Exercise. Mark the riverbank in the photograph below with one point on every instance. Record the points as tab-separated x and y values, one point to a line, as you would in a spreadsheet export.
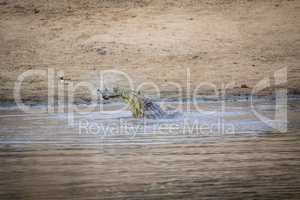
218	42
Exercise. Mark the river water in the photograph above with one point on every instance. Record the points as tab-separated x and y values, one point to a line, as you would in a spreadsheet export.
204	153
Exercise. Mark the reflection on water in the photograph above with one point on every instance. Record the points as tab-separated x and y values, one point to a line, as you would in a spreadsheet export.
115	156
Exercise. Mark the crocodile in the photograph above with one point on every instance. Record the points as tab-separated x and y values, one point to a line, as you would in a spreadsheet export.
139	105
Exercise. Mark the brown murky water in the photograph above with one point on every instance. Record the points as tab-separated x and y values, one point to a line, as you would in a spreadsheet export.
43	158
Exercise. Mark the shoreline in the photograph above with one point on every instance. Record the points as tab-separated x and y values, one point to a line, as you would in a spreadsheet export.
230	98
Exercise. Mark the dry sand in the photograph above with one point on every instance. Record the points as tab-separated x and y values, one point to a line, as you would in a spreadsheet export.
154	41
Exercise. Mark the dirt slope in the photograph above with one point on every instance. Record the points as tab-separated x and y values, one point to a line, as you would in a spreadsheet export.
153	41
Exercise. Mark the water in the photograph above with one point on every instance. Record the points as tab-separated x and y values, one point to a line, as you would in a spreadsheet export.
42	157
